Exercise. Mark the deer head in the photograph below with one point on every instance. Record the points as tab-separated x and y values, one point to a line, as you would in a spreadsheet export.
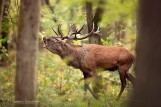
62	43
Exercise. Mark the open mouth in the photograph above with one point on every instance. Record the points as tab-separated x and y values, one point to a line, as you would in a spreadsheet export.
44	40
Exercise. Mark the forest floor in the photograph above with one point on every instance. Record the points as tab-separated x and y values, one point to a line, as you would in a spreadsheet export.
59	85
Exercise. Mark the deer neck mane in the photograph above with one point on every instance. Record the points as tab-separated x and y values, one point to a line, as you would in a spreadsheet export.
68	51
72	55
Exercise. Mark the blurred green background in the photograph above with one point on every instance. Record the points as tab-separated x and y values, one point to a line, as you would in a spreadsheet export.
59	85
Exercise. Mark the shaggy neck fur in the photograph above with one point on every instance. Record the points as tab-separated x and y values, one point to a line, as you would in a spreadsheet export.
73	54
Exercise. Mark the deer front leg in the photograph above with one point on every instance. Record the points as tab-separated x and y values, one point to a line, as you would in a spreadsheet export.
86	85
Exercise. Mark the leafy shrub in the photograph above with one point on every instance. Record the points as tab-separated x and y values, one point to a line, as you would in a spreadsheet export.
59	85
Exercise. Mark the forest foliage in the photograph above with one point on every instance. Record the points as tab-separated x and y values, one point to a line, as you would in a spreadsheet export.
59	85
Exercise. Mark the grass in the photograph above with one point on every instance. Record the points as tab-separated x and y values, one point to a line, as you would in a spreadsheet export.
59	85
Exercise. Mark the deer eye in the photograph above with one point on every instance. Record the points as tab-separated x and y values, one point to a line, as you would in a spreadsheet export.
49	39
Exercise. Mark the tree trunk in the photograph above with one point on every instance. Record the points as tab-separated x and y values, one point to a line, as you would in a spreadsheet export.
1	12
89	17
47	2
98	17
119	27
95	39
147	91
99	13
25	80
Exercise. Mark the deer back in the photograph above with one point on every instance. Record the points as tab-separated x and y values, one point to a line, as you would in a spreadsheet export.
107	57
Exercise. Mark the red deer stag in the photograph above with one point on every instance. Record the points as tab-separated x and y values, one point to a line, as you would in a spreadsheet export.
89	57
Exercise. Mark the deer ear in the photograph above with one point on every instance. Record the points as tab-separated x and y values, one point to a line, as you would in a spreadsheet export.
65	42
57	40
62	42
69	41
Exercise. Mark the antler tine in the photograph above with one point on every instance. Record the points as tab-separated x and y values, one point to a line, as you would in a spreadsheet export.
97	32
98	29
55	32
79	31
72	30
59	30
88	35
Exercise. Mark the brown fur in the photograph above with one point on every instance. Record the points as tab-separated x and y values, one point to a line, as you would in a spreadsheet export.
89	57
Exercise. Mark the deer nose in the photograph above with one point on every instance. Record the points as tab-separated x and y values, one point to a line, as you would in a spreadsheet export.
45	39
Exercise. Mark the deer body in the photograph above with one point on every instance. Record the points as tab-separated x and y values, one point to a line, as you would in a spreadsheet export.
88	58
94	56
107	57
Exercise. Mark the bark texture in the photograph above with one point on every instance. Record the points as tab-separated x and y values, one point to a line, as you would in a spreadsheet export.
1	11
148	51
95	39
25	80
89	17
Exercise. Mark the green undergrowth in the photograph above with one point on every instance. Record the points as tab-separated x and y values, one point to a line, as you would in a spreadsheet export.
59	85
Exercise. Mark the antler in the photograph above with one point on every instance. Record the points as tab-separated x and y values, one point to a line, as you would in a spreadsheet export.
79	31
73	30
88	35
59	34
55	32
59	30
